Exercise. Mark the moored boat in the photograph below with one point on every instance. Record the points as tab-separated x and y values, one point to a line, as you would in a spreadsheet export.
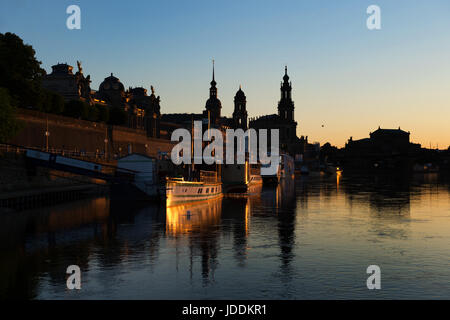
238	178
271	179
287	166
179	191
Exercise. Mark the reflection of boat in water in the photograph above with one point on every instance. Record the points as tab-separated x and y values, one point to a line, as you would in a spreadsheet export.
280	196
271	179
287	166
179	191
426	168
186	218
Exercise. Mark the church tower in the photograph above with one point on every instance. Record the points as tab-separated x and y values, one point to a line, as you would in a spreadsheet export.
286	105
213	104
240	110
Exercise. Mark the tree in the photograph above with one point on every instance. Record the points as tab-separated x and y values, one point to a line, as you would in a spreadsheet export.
57	103
50	102
93	113
103	113
8	123
77	109
20	71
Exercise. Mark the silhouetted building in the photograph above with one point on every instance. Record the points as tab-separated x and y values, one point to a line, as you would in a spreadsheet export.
144	112
240	110
284	121
213	105
112	91
70	86
385	149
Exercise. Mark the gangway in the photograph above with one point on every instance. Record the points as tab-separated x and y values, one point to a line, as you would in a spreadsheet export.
109	173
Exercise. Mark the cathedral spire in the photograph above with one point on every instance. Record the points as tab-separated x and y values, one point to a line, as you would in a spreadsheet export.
213	104
286	105
286	77
213	82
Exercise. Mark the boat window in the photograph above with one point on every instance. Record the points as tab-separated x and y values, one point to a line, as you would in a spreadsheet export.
199	190
207	190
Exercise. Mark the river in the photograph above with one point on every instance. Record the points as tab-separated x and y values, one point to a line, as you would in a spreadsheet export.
308	238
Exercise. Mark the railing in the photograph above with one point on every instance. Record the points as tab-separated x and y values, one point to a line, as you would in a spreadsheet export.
208	176
107	168
78	154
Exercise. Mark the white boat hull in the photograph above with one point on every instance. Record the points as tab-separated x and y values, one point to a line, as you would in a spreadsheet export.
182	192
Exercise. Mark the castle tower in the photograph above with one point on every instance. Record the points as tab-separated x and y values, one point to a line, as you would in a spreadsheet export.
286	105
213	104
240	110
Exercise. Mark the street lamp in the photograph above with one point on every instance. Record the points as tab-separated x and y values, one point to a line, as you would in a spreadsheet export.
47	134
106	147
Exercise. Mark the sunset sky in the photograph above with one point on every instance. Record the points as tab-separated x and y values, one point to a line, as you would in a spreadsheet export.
347	80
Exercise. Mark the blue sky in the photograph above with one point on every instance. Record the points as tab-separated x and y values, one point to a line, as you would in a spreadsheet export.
345	77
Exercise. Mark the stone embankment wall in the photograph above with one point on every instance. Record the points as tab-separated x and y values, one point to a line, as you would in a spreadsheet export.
84	136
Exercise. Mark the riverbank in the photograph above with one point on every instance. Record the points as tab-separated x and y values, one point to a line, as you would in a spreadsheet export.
23	186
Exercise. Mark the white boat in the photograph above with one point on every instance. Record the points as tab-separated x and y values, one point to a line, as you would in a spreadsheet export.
179	191
238	178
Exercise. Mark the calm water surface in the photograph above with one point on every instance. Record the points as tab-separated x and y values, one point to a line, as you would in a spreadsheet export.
310	238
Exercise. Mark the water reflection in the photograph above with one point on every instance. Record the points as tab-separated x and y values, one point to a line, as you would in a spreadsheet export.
193	218
280	242
200	221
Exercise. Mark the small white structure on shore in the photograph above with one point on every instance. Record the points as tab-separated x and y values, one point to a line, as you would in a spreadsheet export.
145	178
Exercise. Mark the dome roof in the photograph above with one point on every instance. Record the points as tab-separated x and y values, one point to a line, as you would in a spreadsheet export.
240	94
111	83
286	77
213	103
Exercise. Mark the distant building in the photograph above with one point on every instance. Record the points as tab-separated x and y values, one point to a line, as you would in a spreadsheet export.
70	86
385	149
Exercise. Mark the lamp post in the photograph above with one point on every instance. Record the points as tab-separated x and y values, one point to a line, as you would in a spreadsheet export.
47	134
106	148
106	142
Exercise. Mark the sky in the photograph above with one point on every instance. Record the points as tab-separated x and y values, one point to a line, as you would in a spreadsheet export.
347	80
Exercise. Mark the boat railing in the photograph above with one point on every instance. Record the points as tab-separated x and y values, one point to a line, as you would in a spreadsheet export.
208	176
